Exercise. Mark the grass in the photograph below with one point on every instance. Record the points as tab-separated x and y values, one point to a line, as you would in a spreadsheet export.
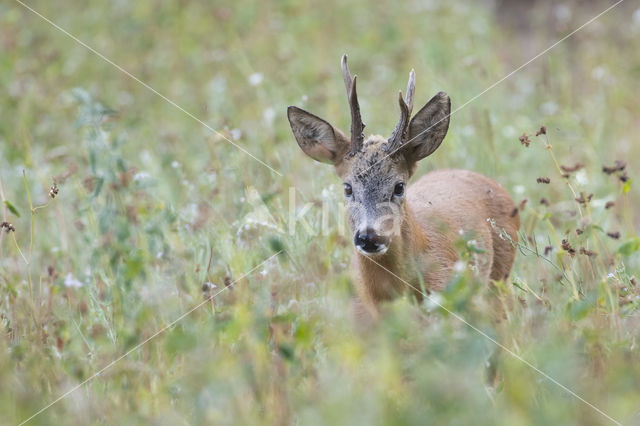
155	214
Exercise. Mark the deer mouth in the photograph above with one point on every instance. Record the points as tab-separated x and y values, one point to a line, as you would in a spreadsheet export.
377	251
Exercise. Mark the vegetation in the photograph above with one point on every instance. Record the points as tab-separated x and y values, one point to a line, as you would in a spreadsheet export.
123	213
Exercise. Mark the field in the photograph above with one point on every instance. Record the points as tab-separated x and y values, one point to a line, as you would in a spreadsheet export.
164	230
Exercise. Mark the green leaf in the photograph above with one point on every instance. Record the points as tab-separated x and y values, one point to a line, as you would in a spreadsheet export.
179	341
629	247
287	351
12	208
276	244
579	309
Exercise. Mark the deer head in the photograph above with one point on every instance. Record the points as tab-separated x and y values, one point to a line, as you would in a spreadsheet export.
374	171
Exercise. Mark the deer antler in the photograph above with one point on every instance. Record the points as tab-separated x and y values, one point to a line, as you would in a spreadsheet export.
399	135
357	126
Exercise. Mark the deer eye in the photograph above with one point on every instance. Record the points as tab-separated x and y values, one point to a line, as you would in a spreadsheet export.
347	190
398	190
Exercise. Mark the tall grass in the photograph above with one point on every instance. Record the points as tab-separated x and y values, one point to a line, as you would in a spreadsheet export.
154	214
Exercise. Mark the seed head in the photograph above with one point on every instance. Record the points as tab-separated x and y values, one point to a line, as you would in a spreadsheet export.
53	191
524	140
571	169
567	247
582	199
586	252
7	227
618	166
542	131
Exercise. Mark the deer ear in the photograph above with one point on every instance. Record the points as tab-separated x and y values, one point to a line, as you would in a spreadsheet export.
317	138
428	128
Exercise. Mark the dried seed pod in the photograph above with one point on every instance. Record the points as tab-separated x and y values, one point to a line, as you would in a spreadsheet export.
523	203
567	247
542	131
584	200
586	252
543	180
571	169
618	166
609	204
547	250
615	235
7	227
524	140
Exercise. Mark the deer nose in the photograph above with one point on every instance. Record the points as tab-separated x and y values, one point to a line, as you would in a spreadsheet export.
369	242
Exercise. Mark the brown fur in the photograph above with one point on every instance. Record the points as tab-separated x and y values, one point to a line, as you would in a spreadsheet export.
438	205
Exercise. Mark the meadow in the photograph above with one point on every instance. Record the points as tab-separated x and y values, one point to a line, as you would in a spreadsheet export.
163	229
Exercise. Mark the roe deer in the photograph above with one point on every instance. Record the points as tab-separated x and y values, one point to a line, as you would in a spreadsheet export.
408	232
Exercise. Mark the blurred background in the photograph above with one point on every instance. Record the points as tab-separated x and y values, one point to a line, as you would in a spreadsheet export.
153	213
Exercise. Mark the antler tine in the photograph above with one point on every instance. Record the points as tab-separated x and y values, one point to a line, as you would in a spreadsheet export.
399	134
411	88
357	126
346	75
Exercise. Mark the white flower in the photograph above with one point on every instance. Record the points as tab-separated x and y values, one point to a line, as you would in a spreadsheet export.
236	134
563	13
141	176
636	17
71	281
519	189
549	108
268	115
256	78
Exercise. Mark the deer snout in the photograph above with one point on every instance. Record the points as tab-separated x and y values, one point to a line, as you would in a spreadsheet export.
369	242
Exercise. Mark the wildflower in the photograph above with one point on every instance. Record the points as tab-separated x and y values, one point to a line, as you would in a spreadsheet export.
256	78
71	281
524	140
543	180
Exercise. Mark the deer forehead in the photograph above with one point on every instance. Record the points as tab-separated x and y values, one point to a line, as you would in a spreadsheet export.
373	166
